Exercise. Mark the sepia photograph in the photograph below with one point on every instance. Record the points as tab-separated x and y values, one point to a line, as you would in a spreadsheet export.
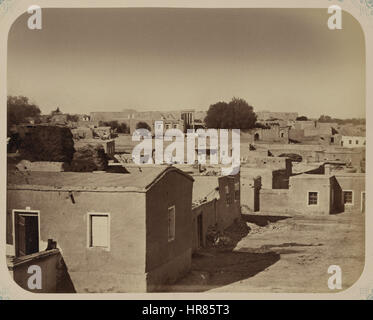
185	150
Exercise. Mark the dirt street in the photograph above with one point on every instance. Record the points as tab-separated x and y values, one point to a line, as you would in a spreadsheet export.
280	254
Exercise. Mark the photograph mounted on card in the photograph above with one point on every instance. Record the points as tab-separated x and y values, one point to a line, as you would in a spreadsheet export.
170	149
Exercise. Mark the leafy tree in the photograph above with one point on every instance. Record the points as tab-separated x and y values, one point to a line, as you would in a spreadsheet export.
73	117
143	125
215	115
48	143
89	158
237	114
115	125
324	118
123	128
302	118
20	110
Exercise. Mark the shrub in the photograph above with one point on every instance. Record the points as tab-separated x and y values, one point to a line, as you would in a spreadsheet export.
89	158
293	156
143	125
48	143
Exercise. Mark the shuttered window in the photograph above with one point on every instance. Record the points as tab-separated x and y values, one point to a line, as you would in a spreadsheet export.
99	230
312	198
26	228
348	197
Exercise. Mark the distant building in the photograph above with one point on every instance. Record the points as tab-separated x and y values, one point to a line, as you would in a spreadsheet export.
317	192
315	152
59	118
108	145
269	115
353	141
82	133
103	132
167	124
273	134
314	132
84	117
181	120
188	117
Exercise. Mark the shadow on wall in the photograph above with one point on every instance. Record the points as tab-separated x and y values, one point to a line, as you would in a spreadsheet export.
217	269
262	220
337	205
219	265
64	283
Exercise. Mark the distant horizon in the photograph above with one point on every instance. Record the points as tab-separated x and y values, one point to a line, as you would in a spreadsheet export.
280	60
195	109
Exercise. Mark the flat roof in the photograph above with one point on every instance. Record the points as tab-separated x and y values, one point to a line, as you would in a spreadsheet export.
255	171
205	186
92	141
350	174
311	176
137	181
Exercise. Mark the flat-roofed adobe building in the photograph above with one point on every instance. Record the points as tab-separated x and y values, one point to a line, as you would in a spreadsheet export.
352	186
327	194
216	204
353	141
314	194
116	232
312	189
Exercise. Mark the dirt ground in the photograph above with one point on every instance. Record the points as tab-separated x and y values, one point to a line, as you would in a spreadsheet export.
279	254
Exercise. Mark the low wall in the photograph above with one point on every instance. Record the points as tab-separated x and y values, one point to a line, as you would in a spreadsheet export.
168	273
208	212
108	282
49	166
48	261
274	201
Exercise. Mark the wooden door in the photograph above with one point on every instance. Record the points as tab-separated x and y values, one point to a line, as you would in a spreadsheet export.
26	234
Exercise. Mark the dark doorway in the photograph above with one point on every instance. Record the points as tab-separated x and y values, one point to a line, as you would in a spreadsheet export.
26	233
256	137
200	231
256	200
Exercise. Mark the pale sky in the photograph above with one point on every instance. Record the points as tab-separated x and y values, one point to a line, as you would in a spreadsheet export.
87	60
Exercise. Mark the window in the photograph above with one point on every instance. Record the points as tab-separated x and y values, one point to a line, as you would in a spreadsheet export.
357	141
332	139
98	230
350	141
171	223
312	198
227	196
26	232
348	197
237	191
